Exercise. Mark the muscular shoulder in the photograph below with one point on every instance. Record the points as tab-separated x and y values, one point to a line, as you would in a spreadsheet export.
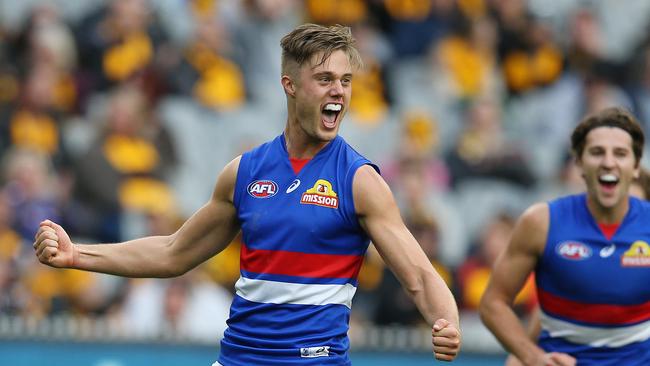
225	187
536	216
532	228
370	190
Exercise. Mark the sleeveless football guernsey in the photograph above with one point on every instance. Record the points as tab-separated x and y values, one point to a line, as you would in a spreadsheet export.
301	252
594	292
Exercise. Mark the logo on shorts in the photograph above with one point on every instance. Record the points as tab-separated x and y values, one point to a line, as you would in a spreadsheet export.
321	195
263	188
637	256
573	250
320	351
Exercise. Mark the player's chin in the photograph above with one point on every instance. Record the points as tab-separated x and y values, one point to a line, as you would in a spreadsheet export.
328	134
609	200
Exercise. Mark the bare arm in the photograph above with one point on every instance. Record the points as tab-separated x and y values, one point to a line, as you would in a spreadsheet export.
204	234
533	330
509	274
380	218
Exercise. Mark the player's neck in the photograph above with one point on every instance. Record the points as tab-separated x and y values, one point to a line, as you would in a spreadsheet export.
300	145
608	215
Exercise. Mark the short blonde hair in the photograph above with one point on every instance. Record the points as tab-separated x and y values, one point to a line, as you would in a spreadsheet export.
309	39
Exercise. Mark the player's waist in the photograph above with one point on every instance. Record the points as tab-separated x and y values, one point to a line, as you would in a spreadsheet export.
283	330
235	353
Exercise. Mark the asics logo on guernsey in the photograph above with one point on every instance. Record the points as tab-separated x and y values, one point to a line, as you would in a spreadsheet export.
607	251
293	186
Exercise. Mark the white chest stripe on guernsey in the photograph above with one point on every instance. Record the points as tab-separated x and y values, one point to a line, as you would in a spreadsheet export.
595	336
294	293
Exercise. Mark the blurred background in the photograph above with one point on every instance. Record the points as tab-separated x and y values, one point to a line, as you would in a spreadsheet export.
117	116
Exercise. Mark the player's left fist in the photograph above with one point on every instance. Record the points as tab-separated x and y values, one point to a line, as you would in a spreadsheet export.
446	340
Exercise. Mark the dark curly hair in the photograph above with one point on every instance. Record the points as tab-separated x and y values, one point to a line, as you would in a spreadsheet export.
609	117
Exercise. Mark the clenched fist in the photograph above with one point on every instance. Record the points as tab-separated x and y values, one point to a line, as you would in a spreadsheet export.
446	340
53	246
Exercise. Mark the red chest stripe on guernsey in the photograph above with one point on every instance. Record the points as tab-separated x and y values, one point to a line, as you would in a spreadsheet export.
604	314
281	262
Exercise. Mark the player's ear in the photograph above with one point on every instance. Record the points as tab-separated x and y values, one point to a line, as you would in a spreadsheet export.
289	85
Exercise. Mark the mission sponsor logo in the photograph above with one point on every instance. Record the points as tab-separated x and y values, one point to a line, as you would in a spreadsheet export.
321	194
573	250
637	256
263	188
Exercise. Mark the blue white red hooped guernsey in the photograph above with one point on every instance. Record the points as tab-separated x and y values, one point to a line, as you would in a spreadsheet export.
595	293
301	253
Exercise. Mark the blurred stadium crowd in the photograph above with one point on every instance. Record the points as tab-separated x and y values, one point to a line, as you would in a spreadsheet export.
116	117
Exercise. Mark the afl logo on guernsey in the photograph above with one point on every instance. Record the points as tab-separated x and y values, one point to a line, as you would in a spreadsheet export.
263	188
573	250
321	194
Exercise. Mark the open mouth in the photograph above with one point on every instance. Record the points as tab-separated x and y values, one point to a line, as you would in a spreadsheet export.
608	181
331	113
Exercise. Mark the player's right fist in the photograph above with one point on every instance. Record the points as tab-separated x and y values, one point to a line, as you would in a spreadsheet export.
445	339
53	246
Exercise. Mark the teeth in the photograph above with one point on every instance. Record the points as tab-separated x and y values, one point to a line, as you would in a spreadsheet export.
332	107
609	178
